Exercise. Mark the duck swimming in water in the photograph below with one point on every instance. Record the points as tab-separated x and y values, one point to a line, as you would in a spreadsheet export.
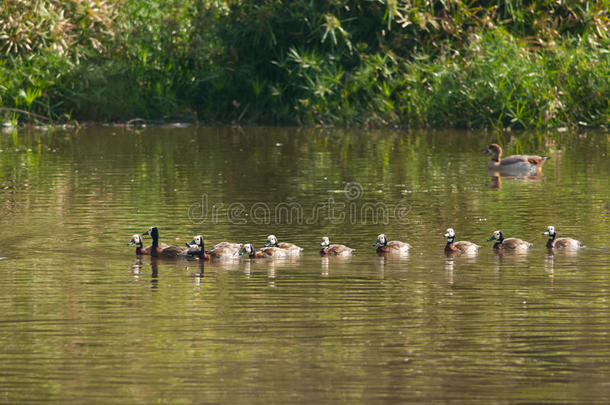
560	243
334	250
163	250
222	250
463	247
393	246
290	248
515	165
508	244
265	252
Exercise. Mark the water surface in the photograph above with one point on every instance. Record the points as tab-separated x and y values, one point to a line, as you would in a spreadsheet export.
84	320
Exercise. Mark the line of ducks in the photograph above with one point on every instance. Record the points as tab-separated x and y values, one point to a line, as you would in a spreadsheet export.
273	248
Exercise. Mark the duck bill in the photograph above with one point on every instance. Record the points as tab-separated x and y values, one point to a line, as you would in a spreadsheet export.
492	238
377	243
267	244
486	152
145	233
241	252
446	235
545	233
131	242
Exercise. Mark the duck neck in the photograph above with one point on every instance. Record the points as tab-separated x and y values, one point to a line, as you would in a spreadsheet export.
551	242
202	251
155	244
138	249
449	246
496	154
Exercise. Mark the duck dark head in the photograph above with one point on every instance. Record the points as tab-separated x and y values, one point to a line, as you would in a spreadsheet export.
153	232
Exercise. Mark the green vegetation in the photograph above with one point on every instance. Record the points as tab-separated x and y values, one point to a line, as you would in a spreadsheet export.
418	63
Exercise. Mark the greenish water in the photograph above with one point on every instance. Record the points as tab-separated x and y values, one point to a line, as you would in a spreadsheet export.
83	320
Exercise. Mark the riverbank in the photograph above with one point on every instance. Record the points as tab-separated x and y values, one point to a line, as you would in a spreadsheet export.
340	64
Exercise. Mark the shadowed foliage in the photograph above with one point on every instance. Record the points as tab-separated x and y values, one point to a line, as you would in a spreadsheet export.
517	64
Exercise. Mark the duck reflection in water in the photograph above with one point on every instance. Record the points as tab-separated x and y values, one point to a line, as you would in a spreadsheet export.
154	275
496	179
136	268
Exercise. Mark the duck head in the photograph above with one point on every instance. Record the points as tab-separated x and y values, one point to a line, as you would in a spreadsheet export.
494	150
449	234
247	248
137	240
381	240
550	230
271	241
325	242
196	242
497	235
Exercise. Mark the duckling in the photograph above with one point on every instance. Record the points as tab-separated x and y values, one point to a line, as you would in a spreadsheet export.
560	243
226	250
222	250
515	165
197	248
265	252
137	240
290	248
394	246
163	250
464	247
508	244
334	250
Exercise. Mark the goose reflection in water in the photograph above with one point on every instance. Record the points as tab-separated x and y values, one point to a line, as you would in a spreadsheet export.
496	179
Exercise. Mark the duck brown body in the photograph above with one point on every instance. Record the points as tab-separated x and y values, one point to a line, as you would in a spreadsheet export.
394	246
289	248
560	243
266	252
334	250
513	244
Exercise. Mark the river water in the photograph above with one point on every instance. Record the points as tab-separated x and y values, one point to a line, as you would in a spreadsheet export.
83	320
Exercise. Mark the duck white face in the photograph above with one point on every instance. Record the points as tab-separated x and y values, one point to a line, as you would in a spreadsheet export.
325	242
248	248
497	235
449	233
198	240
381	240
136	239
271	241
550	230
